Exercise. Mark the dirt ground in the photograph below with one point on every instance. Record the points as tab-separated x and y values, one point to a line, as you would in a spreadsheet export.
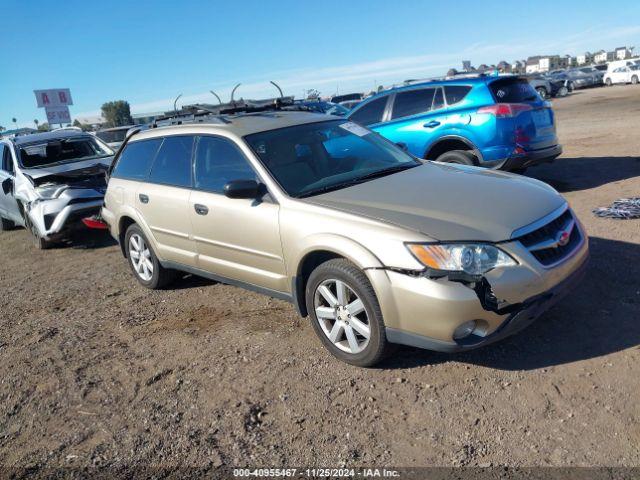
97	371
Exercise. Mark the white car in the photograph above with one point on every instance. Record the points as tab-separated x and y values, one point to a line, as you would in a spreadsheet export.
623	74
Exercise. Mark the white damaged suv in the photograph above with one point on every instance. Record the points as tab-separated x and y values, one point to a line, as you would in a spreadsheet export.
50	181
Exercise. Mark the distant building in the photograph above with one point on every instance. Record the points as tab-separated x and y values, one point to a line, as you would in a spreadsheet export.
504	67
603	56
466	66
533	64
483	68
584	58
551	62
622	53
519	66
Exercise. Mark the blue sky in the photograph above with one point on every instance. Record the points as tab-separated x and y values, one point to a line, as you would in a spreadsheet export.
149	52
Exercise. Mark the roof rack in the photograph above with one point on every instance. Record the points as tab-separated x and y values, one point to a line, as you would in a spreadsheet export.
208	113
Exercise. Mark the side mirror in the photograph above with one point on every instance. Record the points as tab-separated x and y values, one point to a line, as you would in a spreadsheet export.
242	189
403	146
7	186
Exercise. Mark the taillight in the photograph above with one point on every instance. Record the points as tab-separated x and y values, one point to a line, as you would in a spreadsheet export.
505	110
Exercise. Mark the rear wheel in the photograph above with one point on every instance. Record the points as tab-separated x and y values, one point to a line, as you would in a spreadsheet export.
143	261
460	157
345	313
542	92
608	82
634	80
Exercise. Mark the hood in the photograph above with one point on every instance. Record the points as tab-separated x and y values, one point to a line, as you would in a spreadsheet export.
69	168
449	203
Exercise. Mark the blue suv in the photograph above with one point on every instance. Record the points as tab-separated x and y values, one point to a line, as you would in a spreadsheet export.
490	121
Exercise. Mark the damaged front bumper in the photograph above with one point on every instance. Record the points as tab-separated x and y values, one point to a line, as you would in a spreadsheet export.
54	217
425	312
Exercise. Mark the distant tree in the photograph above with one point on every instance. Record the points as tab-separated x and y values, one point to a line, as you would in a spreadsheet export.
35	121
15	122
84	126
117	113
43	127
2	129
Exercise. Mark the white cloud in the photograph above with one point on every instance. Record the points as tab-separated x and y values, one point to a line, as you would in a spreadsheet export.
365	76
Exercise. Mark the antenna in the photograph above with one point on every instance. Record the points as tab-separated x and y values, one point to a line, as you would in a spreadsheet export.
234	91
175	102
279	89
216	95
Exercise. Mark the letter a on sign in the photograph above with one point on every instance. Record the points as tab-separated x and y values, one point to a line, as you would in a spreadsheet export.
45	99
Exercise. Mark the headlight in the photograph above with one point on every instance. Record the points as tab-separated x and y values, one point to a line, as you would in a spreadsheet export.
472	258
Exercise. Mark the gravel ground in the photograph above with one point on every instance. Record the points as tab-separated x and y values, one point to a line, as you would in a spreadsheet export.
97	371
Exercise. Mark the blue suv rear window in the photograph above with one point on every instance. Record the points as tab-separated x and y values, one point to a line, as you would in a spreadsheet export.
512	90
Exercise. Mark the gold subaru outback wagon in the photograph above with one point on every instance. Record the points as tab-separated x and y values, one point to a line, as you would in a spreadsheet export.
374	245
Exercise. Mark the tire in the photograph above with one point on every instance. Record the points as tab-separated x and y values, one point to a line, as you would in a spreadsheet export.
608	82
542	92
460	157
6	224
337	329
634	80
149	272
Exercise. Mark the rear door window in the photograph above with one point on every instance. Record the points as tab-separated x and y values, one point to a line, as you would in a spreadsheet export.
412	102
370	113
513	90
456	93
136	159
172	165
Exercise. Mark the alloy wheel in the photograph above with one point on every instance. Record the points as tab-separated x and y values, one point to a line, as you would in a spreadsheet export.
342	316
140	256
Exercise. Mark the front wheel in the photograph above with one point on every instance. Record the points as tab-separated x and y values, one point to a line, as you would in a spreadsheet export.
542	92
143	261
345	313
608	82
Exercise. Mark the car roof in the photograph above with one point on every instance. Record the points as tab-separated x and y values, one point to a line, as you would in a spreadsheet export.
46	136
241	124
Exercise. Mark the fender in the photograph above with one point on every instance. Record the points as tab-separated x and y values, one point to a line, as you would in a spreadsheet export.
128	211
459	138
326	242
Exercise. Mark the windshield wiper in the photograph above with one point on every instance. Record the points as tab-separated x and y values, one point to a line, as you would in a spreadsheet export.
357	180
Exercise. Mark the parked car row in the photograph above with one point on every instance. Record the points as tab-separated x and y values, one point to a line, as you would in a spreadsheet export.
354	226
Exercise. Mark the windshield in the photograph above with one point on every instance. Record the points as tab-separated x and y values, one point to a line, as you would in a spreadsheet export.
318	157
62	150
112	136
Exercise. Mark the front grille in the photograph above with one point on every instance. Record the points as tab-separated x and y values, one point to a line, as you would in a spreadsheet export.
544	243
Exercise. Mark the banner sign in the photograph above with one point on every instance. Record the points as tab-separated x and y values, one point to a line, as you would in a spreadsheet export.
55	97
58	115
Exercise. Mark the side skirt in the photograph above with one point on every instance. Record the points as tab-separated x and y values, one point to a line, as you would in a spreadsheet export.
229	281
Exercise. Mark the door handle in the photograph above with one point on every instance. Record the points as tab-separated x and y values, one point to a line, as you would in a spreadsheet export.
431	124
200	209
143	198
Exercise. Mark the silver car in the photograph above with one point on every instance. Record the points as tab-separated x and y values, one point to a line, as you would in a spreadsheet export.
50	181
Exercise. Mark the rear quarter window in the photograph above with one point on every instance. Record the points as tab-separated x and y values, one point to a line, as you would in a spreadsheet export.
512	90
456	93
135	161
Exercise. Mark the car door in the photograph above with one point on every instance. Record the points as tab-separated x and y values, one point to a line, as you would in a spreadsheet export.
619	75
235	238
163	200
8	204
417	117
